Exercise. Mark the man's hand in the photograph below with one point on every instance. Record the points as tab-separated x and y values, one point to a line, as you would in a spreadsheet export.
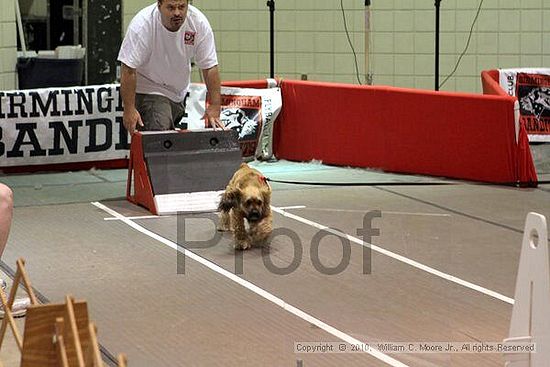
212	117
131	118
213	85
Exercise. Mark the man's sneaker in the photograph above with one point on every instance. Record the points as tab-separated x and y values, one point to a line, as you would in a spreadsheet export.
3	284
19	307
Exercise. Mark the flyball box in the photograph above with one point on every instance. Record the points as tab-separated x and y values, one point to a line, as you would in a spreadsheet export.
181	171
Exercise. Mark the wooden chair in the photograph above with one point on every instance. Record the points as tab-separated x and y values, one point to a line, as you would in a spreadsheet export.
7	303
55	335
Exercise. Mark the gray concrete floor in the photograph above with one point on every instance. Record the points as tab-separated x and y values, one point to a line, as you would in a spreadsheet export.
145	306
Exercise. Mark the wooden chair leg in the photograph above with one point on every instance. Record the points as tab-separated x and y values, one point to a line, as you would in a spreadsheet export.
23	274
9	320
62	358
122	360
73	331
7	303
96	354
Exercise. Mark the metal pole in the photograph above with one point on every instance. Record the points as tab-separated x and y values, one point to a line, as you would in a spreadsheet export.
271	5
85	38
20	28
48	27
76	22
437	8
368	75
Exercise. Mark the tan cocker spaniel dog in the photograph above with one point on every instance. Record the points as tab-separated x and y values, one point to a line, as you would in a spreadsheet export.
245	208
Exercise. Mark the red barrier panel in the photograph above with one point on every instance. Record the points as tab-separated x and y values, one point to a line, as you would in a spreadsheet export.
260	84
455	135
490	83
526	171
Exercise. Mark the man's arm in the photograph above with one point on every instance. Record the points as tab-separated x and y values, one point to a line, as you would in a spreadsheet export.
131	116
213	85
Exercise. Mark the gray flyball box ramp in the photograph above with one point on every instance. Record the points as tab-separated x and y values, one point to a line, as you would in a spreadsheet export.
175	171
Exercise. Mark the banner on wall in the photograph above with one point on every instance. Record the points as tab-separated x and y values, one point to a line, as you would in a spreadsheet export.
249	111
532	88
84	124
61	125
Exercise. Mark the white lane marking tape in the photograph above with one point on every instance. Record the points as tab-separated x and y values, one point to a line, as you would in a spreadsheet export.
292	207
254	288
417	214
401	258
138	218
361	211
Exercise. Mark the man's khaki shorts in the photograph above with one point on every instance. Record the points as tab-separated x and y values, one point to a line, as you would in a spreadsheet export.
158	112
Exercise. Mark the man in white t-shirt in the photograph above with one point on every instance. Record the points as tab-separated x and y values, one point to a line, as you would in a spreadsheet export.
156	55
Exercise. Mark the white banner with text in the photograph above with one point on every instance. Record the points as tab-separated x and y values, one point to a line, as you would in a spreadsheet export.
531	86
84	124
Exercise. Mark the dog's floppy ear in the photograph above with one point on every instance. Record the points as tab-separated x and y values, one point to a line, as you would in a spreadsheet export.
266	198
230	199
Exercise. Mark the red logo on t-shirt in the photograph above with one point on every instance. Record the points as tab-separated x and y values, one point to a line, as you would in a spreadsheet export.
189	38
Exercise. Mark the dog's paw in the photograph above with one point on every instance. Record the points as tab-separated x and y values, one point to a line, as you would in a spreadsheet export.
242	245
223	228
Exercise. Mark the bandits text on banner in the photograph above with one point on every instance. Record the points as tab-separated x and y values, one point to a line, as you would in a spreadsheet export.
61	125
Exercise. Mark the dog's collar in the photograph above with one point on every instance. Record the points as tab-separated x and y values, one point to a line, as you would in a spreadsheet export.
263	180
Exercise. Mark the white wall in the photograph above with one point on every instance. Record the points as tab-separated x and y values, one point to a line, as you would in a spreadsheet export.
310	39
8	42
508	33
